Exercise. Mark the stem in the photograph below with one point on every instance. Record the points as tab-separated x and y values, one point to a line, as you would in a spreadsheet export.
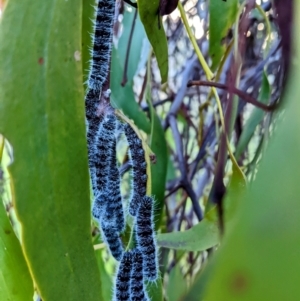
246	97
209	74
234	162
124	80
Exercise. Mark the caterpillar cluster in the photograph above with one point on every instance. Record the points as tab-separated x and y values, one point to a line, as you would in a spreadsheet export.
108	209
140	263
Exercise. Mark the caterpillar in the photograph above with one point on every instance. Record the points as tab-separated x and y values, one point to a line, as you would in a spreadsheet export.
139	168
107	207
122	288
101	153
91	102
99	205
99	170
114	209
137	288
145	238
102	44
110	235
99	69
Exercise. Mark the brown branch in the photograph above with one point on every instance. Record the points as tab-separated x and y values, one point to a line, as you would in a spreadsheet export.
218	188
186	184
246	97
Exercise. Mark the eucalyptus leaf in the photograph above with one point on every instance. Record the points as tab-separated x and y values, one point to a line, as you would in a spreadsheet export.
255	118
135	48
148	11
177	285
259	258
222	15
123	97
200	237
42	116
15	280
88	15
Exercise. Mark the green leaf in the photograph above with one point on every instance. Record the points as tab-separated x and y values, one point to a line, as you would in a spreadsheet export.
123	97
148	11
222	16
255	118
136	43
158	177
42	116
107	285
234	195
155	290
88	15
200	237
259	259
197	289
158	170
15	281
177	285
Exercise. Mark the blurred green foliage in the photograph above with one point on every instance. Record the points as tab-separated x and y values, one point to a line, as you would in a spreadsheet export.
44	61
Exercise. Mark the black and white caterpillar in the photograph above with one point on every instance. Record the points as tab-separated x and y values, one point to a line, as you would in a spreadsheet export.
122	287
107	207
139	168
101	44
137	287
110	235
102	39
93	121
100	156
114	212
145	238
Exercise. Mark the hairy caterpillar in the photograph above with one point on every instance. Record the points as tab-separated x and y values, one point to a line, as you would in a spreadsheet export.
122	290
145	238
102	44
114	209
107	207
101	154
99	70
137	288
111	236
139	168
99	66
99	205
91	102
99	169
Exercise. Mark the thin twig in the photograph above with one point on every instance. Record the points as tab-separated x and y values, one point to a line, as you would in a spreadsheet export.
182	167
246	97
124	80
182	91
